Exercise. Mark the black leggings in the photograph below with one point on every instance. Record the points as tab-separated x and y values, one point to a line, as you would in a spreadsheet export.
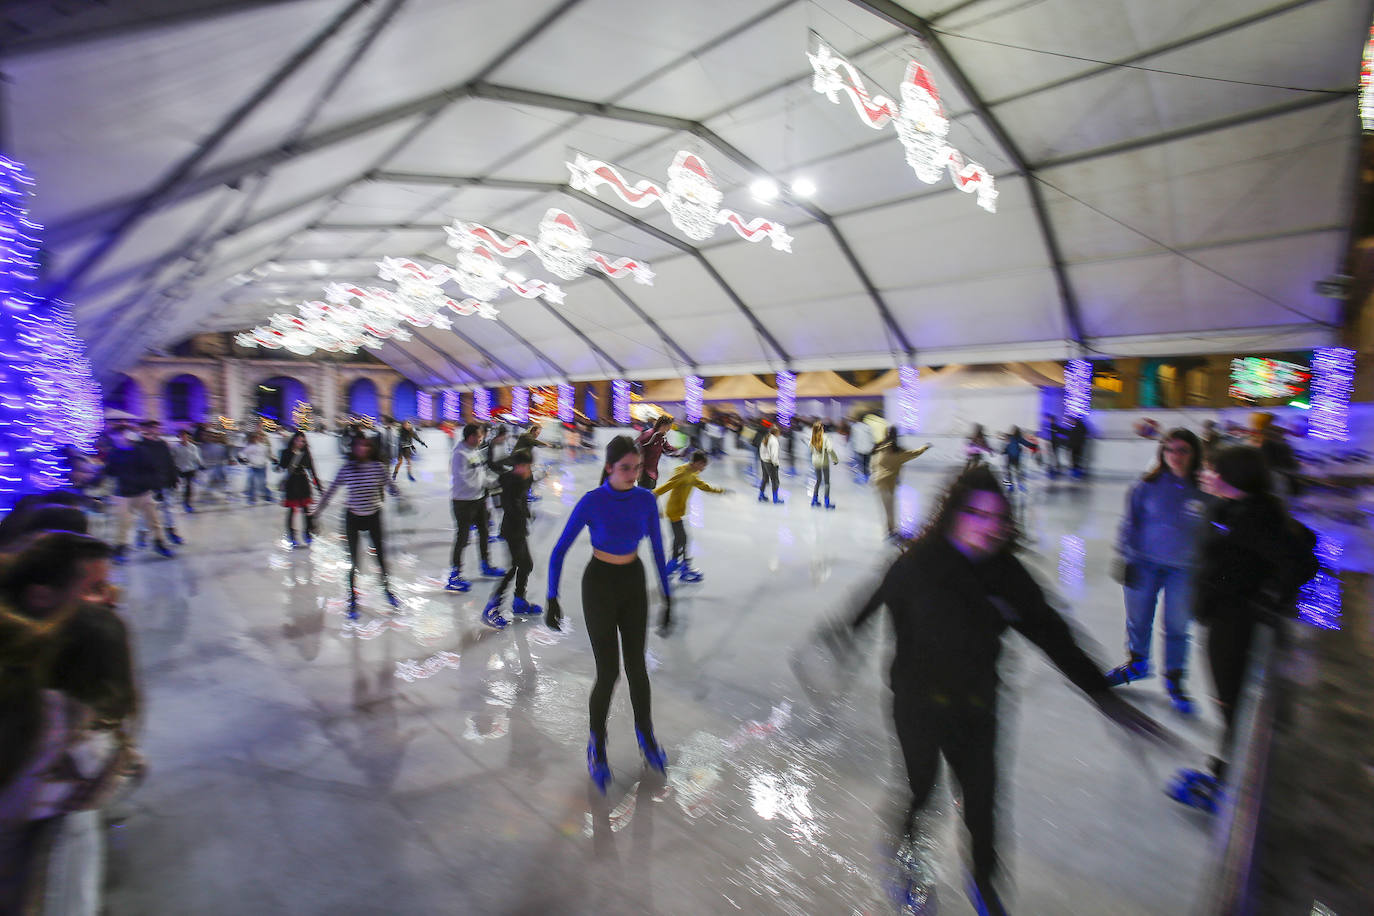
822	477
1228	653
290	526
616	609
372	524
188	479
967	738
520	564
466	513
769	476
679	541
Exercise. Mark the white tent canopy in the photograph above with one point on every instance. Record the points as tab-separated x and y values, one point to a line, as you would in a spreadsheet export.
1173	176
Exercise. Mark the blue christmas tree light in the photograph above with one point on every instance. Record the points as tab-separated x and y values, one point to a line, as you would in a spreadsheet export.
695	392
910	417
620	401
787	398
520	405
48	395
481	404
1078	388
565	402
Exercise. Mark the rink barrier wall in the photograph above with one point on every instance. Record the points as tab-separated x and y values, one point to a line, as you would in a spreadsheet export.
1229	887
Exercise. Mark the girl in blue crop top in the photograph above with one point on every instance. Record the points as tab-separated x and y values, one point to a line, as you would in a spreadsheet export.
615	605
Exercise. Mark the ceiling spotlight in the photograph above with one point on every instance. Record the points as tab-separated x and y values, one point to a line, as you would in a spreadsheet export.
764	189
803	187
319	268
515	277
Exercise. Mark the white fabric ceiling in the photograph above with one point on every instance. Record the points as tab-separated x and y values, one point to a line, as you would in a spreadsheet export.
1191	162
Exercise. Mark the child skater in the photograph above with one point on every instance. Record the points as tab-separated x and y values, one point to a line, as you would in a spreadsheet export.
366	477
680	486
515	525
299	467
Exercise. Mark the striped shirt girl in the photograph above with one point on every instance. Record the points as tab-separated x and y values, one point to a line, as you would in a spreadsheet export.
365	481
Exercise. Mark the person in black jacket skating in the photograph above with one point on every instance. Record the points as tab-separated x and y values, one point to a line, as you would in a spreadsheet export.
515	477
952	595
299	470
1253	560
136	475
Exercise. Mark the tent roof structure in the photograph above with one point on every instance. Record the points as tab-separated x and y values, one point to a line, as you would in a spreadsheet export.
1172	177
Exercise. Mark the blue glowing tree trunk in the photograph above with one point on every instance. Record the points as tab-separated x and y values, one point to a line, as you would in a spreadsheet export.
48	397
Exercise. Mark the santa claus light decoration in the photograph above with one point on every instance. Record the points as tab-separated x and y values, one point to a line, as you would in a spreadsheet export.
563	247
691	198
920	121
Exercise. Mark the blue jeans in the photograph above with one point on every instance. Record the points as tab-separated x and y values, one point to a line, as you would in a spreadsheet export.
1177	585
257	481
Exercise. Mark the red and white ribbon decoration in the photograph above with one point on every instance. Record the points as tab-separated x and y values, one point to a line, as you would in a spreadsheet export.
691	198
920	120
563	247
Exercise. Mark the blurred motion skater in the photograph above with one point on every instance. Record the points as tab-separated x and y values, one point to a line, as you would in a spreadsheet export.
615	606
1254	559
515	528
952	595
366	478
887	472
822	457
1157	546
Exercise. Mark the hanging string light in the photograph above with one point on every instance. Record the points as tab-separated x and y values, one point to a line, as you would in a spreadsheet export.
424	405
620	401
481	404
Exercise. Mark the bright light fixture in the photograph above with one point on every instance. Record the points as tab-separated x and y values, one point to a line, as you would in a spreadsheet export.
803	187
764	189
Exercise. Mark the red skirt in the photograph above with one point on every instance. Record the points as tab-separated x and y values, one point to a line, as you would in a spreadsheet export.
297	503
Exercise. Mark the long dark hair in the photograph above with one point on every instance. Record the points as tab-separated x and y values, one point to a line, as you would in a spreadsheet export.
1194	464
1244	467
978	478
617	448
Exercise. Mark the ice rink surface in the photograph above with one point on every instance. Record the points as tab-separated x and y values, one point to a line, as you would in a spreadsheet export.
417	761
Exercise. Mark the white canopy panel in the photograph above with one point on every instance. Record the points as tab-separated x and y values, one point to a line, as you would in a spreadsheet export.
1172	176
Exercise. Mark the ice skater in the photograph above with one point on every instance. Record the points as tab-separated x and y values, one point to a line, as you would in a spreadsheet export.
768	464
406	441
653	445
1253	559
679	486
256	456
1157	547
298	470
615	606
514	481
366	479
468	493
186	457
952	595
888	459
822	457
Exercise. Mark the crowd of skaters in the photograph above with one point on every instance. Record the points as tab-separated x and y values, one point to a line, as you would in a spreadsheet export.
1205	529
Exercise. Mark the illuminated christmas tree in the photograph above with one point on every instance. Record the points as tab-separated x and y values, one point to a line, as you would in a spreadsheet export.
48	396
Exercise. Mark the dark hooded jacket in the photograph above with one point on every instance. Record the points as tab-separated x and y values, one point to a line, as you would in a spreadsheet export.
950	612
1254	559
